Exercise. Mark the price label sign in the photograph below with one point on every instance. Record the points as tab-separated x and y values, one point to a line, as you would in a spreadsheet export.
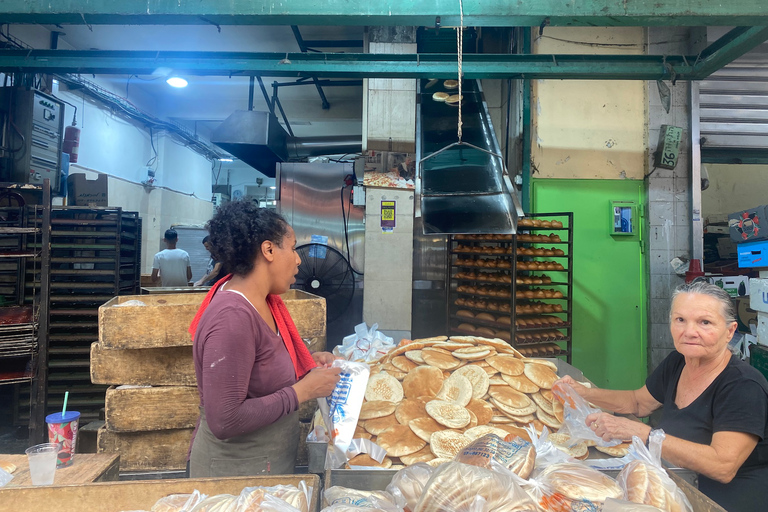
388	215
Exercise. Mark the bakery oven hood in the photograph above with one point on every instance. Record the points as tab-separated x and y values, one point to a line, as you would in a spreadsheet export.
464	188
258	139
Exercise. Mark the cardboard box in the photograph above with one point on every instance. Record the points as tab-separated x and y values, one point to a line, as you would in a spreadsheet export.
753	254
726	248
749	225
84	192
746	315
758	290
736	286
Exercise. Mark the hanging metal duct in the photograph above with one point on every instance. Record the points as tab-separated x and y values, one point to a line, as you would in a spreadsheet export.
464	187
257	139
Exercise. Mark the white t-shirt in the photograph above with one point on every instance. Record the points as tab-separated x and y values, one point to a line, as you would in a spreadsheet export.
173	264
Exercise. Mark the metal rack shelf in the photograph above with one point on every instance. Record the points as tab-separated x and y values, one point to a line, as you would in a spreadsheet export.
563	282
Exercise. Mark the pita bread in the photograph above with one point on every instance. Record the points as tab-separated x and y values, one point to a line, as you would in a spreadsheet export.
423	381
477	377
513	431
513	412
546	405
423	455
403	364
438	461
558	410
481	430
520	383
377	409
579	482
435	339
636	482
540	375
449	414
497	344
400	440
510	397
496	380
472	353
548	419
507	365
425	427
379	425
8	467
563	443
410	346
482	411
472	420
453	345
439	359
500	419
440	96
448	443
383	386
410	409
415	356
451	84
362	435
456	388
365	460
546	362
656	495
619	450
547	394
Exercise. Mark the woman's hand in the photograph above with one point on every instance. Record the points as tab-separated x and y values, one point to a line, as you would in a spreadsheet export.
577	386
324	359
609	427
318	383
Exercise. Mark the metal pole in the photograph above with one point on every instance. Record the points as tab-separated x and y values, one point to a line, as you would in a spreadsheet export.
250	92
697	226
266	96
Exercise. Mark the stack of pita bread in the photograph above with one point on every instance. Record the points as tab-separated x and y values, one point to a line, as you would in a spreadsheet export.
427	399
648	485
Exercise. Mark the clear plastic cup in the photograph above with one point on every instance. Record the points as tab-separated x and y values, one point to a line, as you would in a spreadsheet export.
62	429
42	463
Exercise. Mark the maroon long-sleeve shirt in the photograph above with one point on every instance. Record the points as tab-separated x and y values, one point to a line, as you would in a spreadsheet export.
244	373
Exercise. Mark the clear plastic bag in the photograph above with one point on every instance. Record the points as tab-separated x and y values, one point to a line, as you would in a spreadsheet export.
408	484
575	412
517	455
455	487
612	505
645	480
546	453
341	410
366	346
178	502
346	507
251	498
382	500
5	477
574	486
217	503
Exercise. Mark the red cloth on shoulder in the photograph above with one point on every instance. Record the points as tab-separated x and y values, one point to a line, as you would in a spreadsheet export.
297	349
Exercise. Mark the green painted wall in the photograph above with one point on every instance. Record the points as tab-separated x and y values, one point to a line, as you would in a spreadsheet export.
609	309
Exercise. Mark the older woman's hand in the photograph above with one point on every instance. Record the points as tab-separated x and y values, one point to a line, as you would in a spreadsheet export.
609	427
324	359
577	386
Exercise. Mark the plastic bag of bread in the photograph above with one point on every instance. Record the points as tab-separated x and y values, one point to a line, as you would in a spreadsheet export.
382	500
612	505
546	452
516	455
178	502
346	507
645	480
408	484
217	503
341	410
251	499
573	486
458	487
575	412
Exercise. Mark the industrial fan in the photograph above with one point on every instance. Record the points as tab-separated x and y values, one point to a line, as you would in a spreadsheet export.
324	271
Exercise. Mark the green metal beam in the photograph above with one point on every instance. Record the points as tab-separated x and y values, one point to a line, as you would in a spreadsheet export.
350	65
487	13
728	48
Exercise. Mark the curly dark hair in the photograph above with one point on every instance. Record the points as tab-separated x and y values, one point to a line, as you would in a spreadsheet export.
237	231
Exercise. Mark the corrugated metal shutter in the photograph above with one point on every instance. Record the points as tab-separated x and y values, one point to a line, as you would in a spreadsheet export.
734	104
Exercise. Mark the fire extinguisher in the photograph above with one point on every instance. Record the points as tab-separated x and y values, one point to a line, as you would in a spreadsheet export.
72	140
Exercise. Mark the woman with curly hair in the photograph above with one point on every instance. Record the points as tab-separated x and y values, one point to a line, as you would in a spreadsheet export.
252	367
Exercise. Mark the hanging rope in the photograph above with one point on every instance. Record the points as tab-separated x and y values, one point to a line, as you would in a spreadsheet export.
459	49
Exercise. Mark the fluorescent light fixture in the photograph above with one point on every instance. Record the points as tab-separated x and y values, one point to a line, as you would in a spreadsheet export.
226	160
273	188
176	81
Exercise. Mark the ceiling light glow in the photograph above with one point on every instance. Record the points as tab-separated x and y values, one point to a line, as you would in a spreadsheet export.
176	81
226	160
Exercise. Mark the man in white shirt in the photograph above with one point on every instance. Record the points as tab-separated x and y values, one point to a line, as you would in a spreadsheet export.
172	264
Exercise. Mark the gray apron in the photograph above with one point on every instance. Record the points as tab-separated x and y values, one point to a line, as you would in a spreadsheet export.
269	450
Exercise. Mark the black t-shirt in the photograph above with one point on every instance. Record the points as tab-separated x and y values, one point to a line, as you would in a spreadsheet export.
736	401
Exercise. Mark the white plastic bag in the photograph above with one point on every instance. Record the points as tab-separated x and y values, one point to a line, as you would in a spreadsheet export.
571	486
516	455
5	477
364	345
575	412
382	500
644	479
612	505
341	410
546	453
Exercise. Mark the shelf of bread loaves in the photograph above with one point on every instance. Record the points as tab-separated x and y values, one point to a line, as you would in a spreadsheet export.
552	266
531	238
529	223
484	305
554	252
487	277
483	318
487	250
502	264
485	238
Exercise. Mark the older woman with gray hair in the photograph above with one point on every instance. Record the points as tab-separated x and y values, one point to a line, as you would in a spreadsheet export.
714	406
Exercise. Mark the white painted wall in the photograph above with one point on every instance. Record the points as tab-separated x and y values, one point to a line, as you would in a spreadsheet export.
733	188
